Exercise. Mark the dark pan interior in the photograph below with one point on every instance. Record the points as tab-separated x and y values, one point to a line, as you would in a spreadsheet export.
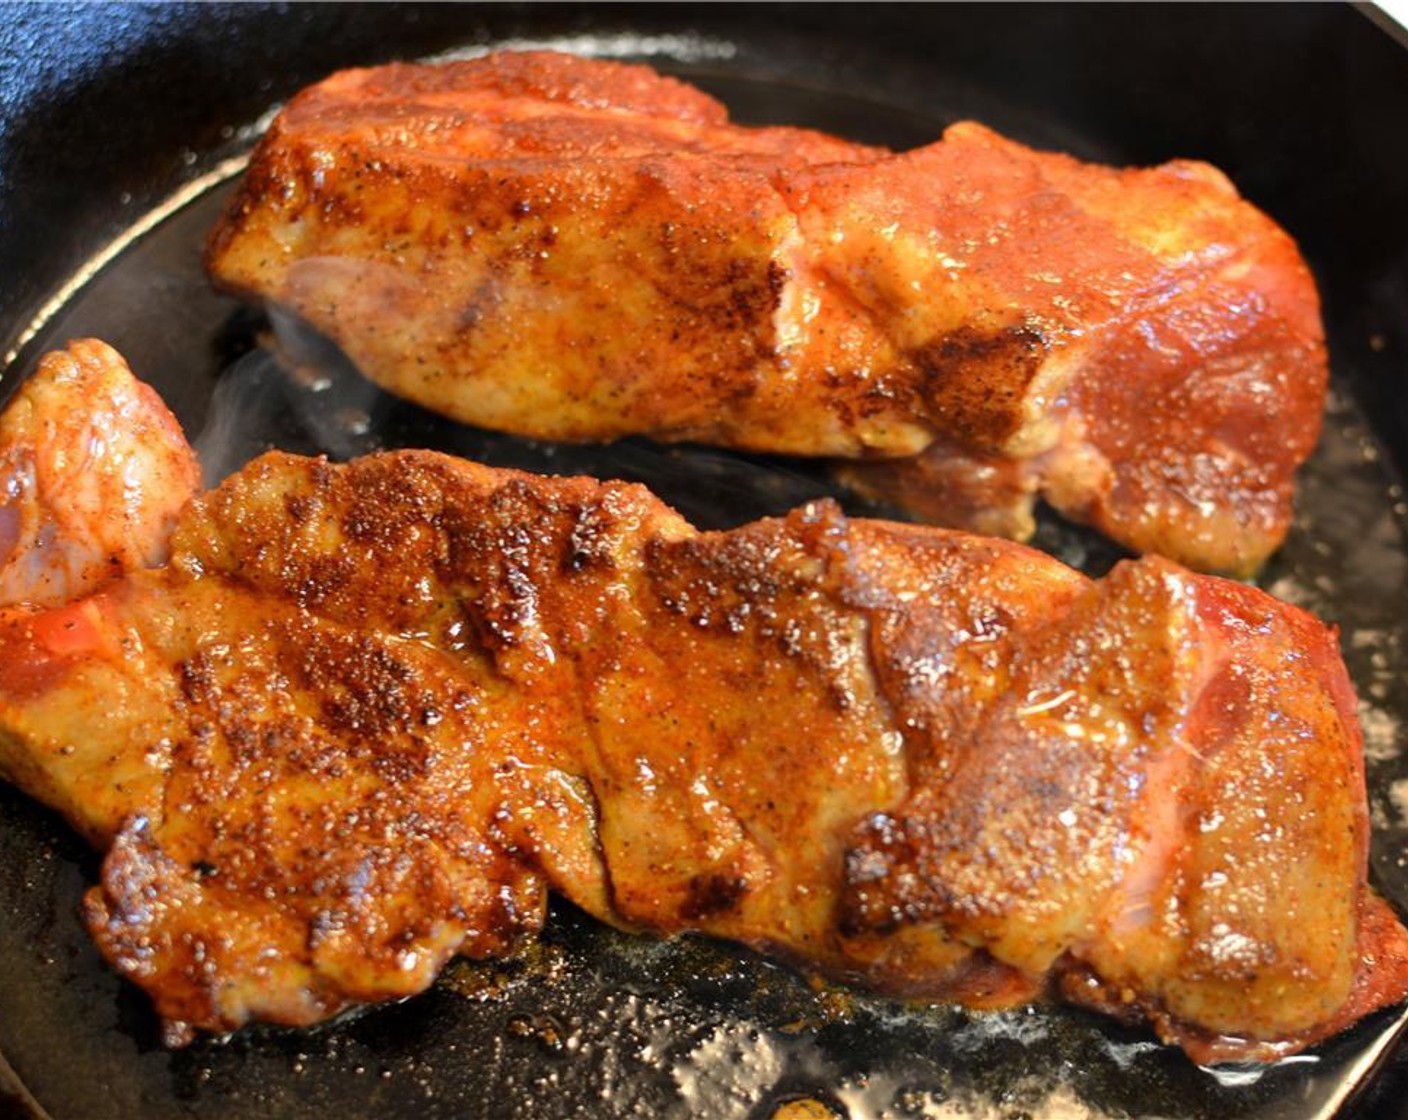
107	112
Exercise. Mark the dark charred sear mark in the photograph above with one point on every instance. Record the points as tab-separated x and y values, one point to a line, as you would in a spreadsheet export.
711	895
974	384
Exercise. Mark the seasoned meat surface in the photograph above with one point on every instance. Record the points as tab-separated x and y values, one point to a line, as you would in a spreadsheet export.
576	249
93	471
368	715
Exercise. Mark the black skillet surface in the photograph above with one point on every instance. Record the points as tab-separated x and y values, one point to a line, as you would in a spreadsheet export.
107	114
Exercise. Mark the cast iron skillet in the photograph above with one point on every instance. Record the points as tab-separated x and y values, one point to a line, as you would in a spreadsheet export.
118	126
